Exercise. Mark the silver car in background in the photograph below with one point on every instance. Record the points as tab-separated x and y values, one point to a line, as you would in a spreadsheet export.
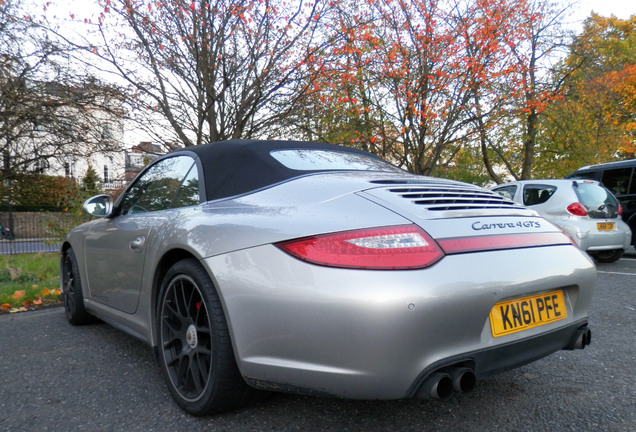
586	211
322	270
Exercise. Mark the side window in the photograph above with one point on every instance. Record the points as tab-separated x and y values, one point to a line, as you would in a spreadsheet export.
507	191
537	194
157	188
188	193
617	180
587	175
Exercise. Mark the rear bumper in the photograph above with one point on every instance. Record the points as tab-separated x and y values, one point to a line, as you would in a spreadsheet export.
590	239
493	360
378	334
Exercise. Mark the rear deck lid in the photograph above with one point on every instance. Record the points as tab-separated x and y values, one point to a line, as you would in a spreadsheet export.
441	199
461	216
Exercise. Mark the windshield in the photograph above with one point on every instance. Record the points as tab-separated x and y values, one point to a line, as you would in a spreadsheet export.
599	202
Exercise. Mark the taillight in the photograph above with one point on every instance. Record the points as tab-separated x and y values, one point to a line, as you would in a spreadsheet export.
620	210
386	248
577	209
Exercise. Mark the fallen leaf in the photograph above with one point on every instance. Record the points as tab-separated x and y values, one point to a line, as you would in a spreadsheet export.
46	292
19	294
14	273
6	306
38	301
57	291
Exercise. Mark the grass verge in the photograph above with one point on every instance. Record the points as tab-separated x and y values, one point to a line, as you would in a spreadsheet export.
29	281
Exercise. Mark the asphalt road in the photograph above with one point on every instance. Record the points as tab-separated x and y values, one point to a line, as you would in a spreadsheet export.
56	377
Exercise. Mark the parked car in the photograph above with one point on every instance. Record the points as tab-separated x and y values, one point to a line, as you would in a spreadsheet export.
620	179
584	209
324	270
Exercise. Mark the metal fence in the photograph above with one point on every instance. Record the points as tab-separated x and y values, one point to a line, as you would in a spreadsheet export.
33	231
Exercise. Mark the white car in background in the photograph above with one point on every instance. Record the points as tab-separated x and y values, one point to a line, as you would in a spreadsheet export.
584	209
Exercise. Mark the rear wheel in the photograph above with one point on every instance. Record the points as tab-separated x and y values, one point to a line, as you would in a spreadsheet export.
195	352
72	294
608	256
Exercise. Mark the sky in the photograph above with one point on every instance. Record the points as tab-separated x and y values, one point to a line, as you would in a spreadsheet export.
583	8
622	9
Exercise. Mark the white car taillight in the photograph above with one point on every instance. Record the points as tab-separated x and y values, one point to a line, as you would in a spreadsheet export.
577	209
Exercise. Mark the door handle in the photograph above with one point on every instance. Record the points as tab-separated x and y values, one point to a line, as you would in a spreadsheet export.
137	245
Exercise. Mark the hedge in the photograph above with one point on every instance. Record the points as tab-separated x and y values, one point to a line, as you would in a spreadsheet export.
38	192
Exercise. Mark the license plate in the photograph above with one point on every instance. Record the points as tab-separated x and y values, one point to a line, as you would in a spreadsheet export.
528	312
605	226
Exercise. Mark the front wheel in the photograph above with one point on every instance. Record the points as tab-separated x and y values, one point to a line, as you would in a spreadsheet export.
72	295
608	256
195	352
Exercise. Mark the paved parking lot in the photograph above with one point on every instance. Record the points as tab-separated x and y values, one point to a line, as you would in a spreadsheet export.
56	377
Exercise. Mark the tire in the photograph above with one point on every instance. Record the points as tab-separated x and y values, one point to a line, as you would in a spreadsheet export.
72	295
608	256
194	348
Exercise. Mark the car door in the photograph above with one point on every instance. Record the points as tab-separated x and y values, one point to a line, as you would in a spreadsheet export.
619	183
116	247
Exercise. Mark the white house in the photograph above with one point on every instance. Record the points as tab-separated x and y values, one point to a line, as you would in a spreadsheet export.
64	138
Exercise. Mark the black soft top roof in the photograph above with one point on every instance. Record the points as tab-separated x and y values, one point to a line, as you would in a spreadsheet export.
239	166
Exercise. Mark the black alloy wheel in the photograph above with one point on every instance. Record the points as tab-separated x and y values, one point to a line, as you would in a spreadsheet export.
195	352
185	337
72	295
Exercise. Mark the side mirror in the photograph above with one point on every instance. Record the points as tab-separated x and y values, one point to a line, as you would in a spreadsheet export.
99	206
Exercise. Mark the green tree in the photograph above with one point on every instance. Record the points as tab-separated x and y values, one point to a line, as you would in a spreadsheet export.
467	167
513	130
90	183
418	82
596	120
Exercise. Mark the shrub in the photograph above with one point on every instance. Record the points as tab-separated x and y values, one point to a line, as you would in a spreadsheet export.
34	192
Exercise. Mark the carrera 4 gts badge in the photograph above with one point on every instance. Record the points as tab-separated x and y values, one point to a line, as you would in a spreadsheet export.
478	226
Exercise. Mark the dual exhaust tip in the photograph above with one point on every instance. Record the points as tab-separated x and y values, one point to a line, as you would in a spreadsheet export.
582	337
442	383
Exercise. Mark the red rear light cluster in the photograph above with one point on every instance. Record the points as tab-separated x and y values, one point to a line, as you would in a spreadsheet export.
405	247
577	209
620	210
386	248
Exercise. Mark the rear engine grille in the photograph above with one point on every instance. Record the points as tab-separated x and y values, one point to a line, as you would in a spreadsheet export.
444	197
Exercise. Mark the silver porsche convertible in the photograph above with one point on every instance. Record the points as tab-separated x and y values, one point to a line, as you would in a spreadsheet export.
323	270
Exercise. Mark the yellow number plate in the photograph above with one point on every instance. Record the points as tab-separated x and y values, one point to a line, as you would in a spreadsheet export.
525	313
605	226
